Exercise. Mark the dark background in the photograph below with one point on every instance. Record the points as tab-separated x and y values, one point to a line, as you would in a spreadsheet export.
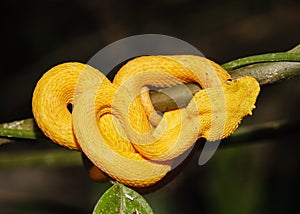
259	177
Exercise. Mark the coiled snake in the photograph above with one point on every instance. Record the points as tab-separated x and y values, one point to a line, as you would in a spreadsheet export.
115	124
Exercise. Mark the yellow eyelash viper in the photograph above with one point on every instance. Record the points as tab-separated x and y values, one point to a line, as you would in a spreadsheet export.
115	124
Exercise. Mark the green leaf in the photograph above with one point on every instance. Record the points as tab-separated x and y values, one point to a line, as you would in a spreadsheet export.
121	199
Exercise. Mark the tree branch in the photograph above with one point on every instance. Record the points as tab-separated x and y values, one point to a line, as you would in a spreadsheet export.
265	73
270	72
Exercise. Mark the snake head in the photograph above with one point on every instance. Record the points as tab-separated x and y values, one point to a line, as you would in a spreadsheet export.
221	109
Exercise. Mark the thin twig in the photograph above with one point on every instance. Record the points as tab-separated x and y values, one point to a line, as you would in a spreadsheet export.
270	57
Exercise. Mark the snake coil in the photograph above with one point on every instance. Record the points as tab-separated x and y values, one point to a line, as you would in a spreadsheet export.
115	124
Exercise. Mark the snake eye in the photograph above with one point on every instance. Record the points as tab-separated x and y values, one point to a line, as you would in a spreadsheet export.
70	107
228	80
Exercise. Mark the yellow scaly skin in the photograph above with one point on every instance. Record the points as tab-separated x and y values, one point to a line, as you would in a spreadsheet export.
110	124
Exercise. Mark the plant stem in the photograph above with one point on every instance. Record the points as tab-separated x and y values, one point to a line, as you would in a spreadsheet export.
270	57
18	133
265	73
26	129
270	72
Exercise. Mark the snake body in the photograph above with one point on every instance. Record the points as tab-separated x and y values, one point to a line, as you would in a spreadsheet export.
116	126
